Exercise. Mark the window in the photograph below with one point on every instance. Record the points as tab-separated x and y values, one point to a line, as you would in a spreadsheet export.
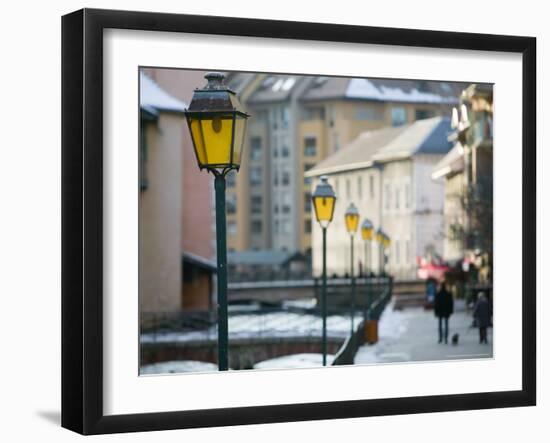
359	187
255	176
285	152
371	186
231	228
275	178
407	196
255	148
421	114
260	116
397	198
276	227
231	179
285	178
307	202
276	209
398	116
310	146
285	227
387	197
256	226
285	202
307	226
285	117
256	204
348	188
367	113
408	251
231	203
313	113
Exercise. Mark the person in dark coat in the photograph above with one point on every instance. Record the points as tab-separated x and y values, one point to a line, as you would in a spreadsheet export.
443	309
482	315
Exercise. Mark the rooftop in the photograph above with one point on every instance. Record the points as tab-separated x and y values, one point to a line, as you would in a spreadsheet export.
154	99
385	90
427	136
452	162
275	88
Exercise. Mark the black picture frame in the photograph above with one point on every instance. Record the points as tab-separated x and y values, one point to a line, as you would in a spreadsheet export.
82	220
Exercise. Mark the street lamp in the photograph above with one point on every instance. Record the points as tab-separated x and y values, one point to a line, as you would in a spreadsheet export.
352	222
324	200
383	242
367	230
217	123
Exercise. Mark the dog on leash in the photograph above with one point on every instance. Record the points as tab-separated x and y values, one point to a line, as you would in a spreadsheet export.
454	339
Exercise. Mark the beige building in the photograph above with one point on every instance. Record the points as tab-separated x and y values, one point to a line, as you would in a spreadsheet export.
386	173
335	110
160	168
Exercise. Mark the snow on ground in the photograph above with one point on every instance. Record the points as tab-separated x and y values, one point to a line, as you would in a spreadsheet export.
176	367
294	361
274	324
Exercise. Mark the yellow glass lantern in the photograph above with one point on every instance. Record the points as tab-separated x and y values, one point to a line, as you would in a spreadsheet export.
324	200
217	123
352	219
367	230
379	235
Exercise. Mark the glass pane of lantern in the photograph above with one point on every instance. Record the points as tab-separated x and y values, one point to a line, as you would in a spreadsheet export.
367	233
324	208
352	221
216	135
240	131
196	133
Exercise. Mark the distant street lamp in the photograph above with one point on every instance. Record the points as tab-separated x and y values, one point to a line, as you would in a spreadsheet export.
352	222
217	123
324	200
367	231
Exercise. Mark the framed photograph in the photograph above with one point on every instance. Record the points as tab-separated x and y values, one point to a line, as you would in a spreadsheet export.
269	221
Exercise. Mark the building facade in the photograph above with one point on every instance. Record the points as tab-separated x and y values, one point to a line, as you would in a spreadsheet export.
386	174
296	122
467	175
176	206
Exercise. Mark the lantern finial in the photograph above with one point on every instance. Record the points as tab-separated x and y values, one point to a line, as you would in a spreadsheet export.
215	80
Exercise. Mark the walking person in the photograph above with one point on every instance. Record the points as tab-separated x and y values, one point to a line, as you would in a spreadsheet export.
482	315
443	309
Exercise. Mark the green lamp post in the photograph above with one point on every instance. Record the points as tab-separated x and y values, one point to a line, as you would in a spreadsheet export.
352	223
324	200
367	232
217	123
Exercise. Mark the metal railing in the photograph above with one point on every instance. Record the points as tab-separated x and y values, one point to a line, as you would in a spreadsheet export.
287	319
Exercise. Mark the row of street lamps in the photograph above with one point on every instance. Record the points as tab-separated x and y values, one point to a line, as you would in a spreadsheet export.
324	201
217	124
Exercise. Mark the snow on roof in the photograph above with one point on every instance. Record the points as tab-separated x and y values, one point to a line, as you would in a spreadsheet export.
451	163
427	136
152	96
362	88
